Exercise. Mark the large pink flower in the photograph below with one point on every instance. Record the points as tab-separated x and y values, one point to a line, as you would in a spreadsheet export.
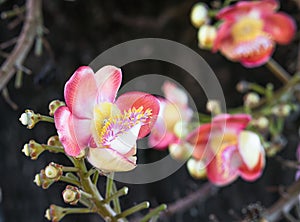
173	117
250	30
93	119
227	150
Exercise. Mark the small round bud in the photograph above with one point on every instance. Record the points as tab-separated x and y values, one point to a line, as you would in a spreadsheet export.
251	99
33	149
27	118
37	180
262	122
199	15
55	213
181	129
53	171
180	151
71	195
54	141
282	110
213	106
242	86
196	168
206	36
54	105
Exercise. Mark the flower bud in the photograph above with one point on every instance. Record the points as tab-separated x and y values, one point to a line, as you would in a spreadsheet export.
53	171
199	15
47	177
55	213
180	151
54	141
33	149
251	99
282	110
196	168
206	36
213	106
261	123
181	129
243	86
54	105
71	195
29	118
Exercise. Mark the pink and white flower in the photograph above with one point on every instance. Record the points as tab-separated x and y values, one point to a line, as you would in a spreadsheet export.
250	30
92	119
173	117
228	150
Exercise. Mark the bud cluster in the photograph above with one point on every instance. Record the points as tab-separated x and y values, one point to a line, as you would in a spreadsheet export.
49	175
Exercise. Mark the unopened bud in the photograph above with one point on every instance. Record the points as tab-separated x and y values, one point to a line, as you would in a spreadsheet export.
29	118
282	110
242	86
54	105
196	168
33	149
53	171
251	99
71	195
261	123
206	36
54	141
55	213
180	151
213	106
199	15
181	129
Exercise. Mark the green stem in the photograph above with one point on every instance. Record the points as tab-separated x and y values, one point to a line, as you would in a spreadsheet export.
141	206
78	211
278	71
116	202
69	169
117	194
95	177
46	119
109	185
104	210
69	180
257	88
54	149
154	212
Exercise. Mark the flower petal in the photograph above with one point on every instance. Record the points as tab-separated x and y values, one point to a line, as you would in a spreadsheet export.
250	148
138	99
223	169
234	122
175	94
65	130
109	160
256	172
108	80
281	27
80	92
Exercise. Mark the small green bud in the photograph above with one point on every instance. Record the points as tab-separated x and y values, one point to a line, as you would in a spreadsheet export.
196	168
55	213
47	177
251	99
282	110
71	195
206	36
29	118
54	141
54	105
33	149
180	151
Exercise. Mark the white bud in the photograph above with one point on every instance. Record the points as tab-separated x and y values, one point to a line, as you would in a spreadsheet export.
69	195
199	15
196	168
25	119
180	151
37	180
213	106
181	129
51	172
26	150
206	36
251	99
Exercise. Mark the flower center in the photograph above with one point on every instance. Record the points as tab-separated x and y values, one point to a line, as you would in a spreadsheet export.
247	29
111	123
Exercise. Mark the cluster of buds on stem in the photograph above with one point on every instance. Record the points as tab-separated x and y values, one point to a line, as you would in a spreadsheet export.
47	177
282	110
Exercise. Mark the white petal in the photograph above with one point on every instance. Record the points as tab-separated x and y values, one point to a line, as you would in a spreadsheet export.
124	143
249	148
108	160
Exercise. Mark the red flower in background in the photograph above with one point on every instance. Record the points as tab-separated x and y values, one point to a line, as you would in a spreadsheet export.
227	150
250	30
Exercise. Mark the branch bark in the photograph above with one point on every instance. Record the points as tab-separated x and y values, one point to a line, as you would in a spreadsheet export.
24	43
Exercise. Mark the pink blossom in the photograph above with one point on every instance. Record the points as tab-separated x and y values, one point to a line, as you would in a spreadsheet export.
228	150
93	120
173	117
250	30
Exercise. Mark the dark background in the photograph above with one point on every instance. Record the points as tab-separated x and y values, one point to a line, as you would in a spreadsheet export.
78	32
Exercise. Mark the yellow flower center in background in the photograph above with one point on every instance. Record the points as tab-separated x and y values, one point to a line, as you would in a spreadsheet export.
247	29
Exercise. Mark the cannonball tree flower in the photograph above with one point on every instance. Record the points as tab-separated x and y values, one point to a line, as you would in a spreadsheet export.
173	117
227	149
250	30
107	128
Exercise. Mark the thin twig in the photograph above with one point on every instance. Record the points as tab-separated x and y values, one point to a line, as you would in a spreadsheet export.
24	43
284	204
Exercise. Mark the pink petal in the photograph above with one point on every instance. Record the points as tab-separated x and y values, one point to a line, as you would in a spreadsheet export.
80	92
223	169
108	80
161	142
256	172
65	130
109	160
138	99
175	94
281	27
223	36
235	122
243	7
